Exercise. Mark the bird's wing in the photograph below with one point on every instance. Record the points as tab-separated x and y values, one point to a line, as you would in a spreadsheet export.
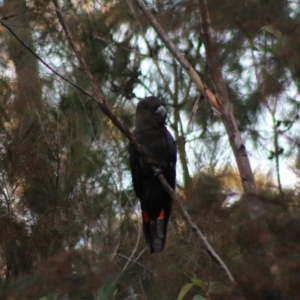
172	157
135	169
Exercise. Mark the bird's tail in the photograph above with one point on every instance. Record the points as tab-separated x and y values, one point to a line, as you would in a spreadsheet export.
155	232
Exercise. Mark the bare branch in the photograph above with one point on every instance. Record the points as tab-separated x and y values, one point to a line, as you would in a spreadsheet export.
203	89
136	262
130	259
254	205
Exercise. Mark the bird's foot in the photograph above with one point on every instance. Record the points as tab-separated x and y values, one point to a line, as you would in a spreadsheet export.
153	165
157	171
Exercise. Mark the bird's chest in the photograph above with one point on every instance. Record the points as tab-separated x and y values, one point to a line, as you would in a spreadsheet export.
155	145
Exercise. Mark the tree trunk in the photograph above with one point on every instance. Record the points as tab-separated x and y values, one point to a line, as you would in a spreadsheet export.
28	92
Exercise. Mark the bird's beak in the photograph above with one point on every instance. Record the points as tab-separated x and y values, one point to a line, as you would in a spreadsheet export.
161	111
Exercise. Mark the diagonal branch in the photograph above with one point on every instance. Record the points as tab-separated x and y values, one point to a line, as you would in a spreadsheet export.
100	100
203	89
254	205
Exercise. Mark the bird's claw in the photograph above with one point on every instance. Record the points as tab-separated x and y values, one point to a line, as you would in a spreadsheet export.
153	165
157	171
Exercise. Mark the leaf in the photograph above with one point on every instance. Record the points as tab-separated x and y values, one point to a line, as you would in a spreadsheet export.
216	287
104	291
198	297
184	290
273	30
115	292
198	282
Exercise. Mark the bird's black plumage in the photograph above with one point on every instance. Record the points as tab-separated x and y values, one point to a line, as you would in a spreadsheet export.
157	142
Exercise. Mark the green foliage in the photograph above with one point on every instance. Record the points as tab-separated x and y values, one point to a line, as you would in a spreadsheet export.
184	290
187	287
107	291
213	287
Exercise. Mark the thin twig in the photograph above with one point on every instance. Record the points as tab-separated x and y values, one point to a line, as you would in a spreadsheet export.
193	114
136	262
133	252
289	138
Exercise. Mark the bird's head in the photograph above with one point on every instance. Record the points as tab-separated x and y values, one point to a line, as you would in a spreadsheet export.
150	113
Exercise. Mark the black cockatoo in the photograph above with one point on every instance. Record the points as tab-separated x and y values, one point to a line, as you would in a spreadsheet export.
157	142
